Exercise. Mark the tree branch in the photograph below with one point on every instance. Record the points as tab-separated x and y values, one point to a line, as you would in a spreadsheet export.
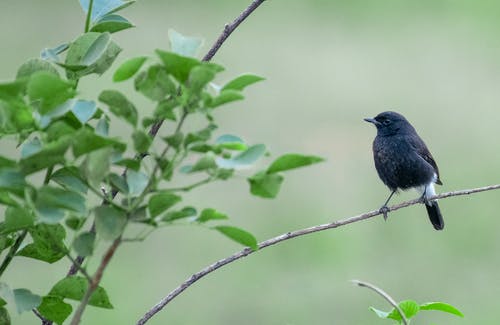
289	235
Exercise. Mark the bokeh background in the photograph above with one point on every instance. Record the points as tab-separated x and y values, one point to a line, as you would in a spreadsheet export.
328	64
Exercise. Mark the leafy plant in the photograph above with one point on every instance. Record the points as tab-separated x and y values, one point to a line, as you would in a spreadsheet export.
68	140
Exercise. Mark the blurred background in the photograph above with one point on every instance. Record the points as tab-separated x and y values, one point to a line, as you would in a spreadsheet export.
328	64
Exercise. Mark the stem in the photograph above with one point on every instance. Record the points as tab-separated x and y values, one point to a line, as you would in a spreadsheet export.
89	15
289	235
94	283
12	251
384	295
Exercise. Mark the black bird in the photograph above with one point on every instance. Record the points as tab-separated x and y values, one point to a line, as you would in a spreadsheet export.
403	161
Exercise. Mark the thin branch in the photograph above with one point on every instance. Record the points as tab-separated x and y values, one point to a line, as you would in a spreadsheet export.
289	235
384	295
12	251
229	28
95	281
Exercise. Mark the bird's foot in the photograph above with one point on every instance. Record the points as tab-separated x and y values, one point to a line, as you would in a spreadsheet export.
384	210
424	200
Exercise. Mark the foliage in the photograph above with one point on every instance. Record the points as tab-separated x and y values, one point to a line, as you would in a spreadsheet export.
67	140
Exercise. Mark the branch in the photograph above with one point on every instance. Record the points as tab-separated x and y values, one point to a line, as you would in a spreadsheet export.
229	28
289	235
384	295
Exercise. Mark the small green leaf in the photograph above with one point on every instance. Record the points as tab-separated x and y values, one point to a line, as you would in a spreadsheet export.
226	96
101	8
49	90
111	24
242	81
175	140
441	306
25	300
155	83
199	77
74	287
409	307
265	185
379	313
231	142
183	45
206	162
109	222
69	178
55	309
119	183
4	316
119	105
96	49
243	159
137	182
186	212
50	155
161	202
84	243
86	140
211	214
12	180
291	161
239	235
34	65
142	141
129	68
48	243
96	166
165	109
177	65
53	198
83	110
17	218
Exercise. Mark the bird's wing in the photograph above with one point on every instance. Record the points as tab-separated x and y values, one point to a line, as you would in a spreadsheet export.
418	144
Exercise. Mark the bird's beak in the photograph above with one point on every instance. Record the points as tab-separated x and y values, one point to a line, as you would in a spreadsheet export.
372	120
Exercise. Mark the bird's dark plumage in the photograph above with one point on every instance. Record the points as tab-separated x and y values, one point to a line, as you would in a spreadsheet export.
403	161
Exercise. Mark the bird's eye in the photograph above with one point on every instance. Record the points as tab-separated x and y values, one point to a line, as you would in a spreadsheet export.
386	122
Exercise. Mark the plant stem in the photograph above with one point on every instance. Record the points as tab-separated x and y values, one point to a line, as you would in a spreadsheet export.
12	251
89	15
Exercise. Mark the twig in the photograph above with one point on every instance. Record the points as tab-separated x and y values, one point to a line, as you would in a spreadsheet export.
95	281
12	251
229	28
384	295
289	235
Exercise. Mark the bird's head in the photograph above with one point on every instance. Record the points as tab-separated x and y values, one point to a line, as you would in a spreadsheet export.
389	123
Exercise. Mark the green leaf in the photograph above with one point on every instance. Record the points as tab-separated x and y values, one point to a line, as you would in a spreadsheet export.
129	68
12	180
48	243
199	77
239	235
175	140
58	130
206	162
265	185
74	287
137	182
119	105
441	306
409	307
50	155
70	179
25	300
110	222
17	218
242	81
142	141
49	90
177	65
161	202
243	159
165	109
4	316
53	201
226	96
34	65
118	183
379	313
52	54
55	309
96	166
211	214
101	8
84	243
83	110
86	140
291	161
90	53
155	83
184	45
231	142
111	24
186	212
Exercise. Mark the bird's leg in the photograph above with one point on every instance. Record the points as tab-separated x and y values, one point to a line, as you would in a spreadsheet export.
423	198
384	209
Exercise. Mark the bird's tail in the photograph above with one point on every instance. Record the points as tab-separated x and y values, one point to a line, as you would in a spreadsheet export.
435	214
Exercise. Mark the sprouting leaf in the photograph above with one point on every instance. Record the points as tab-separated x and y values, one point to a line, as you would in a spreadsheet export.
177	65
409	307
379	313
211	214
441	306
239	235
111	24
226	96
291	161
129	68
242	81
265	185
183	45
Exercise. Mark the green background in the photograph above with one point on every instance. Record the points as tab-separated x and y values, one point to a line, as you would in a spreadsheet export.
328	65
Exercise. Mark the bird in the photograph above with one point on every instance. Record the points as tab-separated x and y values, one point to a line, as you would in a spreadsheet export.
403	161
